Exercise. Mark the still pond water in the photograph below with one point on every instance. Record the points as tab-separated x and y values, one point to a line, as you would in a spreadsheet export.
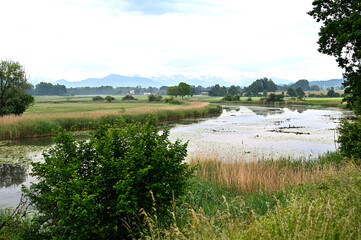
240	133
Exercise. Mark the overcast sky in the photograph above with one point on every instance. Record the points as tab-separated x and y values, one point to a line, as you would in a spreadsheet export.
233	39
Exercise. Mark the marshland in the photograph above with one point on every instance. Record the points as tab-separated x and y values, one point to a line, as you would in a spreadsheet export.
269	172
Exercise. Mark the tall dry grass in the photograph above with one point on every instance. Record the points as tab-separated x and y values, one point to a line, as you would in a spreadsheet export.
266	175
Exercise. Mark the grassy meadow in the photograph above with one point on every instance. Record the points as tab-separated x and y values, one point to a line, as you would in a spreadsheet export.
49	113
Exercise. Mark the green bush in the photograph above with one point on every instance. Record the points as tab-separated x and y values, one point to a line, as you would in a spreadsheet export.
154	98
236	97
109	98
97	189
350	138
228	97
128	97
172	101
97	98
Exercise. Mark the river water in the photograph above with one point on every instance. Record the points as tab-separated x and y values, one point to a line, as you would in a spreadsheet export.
241	133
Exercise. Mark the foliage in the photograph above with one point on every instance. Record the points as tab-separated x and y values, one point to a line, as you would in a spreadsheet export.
300	93
233	90
272	98
236	97
350	138
228	97
128	97
109	98
331	93
340	36
13	86
259	86
291	92
154	98
182	90
49	89
216	90
97	98
95	189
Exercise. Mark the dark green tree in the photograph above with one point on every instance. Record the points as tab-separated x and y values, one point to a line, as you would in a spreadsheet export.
233	90
340	36
173	91
291	92
304	84
300	93
184	89
259	86
217	90
14	98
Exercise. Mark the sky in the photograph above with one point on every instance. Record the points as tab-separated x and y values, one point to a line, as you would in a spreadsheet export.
231	39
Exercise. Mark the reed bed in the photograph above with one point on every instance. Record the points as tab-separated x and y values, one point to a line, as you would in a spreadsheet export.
265	175
321	207
37	125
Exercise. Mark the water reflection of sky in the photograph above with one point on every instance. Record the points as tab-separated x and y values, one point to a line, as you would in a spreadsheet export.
250	132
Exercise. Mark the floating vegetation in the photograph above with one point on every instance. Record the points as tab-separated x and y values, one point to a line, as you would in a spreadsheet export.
19	154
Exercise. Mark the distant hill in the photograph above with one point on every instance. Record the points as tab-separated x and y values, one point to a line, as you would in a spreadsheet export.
323	85
113	80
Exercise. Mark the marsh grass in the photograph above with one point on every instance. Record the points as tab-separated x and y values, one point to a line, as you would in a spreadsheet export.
36	124
326	207
266	175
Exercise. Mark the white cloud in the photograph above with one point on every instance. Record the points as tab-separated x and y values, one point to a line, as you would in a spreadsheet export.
79	39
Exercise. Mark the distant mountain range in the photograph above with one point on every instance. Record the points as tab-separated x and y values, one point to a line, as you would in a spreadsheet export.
115	80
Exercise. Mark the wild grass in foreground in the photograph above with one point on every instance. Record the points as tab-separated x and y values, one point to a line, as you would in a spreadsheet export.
322	204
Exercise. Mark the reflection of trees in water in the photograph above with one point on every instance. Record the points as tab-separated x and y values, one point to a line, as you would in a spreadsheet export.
12	175
230	109
266	111
299	109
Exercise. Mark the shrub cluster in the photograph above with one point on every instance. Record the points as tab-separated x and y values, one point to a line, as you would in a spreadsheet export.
172	101
109	98
97	98
154	98
97	189
128	97
230	97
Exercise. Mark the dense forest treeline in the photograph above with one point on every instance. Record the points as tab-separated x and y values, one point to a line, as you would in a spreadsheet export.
260	87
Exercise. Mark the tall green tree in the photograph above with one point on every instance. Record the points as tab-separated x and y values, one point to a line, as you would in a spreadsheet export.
291	92
173	91
300	93
217	90
259	86
340	36
14	98
184	89
233	90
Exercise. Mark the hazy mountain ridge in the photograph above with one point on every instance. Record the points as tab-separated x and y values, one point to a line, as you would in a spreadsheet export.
116	80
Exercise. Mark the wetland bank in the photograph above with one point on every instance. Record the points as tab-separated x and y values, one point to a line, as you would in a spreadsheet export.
245	133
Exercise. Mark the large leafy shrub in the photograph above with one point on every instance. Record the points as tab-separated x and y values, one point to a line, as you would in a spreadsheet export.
350	138
96	189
